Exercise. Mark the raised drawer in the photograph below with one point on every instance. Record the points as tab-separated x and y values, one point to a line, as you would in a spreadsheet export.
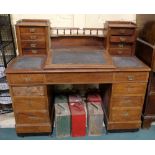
125	114
33	51
32	117
25	78
131	76
79	78
129	89
34	128
122	31
29	91
33	44
127	101
25	29
120	51
21	104
34	37
123	125
127	39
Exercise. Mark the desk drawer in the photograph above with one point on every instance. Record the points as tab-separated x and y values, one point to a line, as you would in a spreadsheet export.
32	29
127	39
127	101
122	31
124	125
79	78
34	128
33	37
125	114
30	103
25	78
29	91
33	44
131	76
120	51
32	117
129	89
28	51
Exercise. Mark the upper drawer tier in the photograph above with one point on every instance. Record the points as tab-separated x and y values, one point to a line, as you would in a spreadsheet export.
25	78
32	30
131	76
122	31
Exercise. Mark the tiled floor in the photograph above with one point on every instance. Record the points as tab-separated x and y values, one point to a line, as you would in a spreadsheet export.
7	120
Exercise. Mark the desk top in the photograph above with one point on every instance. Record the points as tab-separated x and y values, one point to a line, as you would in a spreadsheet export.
26	64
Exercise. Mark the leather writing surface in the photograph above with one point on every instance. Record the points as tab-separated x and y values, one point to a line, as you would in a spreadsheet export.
73	56
127	62
28	63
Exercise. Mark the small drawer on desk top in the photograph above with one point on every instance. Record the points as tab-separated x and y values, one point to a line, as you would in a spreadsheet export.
34	37
29	91
125	114
129	89
127	101
122	31
37	51
33	44
120	51
131	76
32	117
127	39
21	104
25	29
25	78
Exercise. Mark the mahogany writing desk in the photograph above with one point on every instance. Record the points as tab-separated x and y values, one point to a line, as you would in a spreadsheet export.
76	60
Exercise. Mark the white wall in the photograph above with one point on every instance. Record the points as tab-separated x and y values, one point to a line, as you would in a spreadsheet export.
76	20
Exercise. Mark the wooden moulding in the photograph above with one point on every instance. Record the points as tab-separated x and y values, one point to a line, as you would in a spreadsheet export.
95	119
62	120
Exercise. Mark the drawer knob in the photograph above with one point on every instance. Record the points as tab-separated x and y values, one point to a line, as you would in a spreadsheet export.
122	31
122	39
33	45
126	114
130	77
27	79
120	45
32	30
33	37
34	51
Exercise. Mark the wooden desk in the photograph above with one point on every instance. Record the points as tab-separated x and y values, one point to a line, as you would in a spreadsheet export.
30	82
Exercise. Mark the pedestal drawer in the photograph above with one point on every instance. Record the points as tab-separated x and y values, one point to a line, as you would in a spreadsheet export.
120	51
34	128
124	125
29	91
34	37
21	104
33	44
129	89
32	117
27	51
122	31
25	29
125	114
127	101
127	39
131	76
25	78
